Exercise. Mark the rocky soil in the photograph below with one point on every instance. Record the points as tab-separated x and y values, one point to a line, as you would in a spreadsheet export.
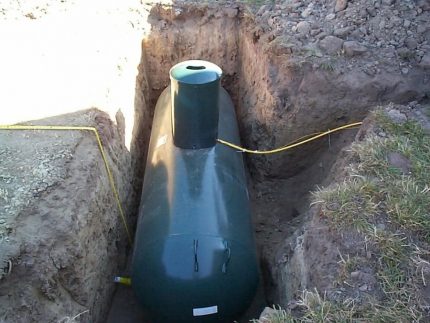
390	32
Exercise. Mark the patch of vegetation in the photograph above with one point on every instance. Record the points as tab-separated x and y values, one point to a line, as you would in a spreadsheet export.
427	106
406	55
388	208
257	2
277	316
327	66
73	319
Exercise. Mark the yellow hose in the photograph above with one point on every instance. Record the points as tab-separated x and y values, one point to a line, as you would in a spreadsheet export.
123	280
291	145
99	142
112	182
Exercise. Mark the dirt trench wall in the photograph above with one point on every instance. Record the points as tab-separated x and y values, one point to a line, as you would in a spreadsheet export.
280	93
66	240
186	32
283	96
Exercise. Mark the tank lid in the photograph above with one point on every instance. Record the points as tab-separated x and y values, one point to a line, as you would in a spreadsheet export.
195	72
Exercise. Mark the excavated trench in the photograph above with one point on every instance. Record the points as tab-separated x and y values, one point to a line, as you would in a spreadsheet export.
279	97
67	242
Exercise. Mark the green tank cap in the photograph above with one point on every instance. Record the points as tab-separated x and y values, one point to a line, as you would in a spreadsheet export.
195	86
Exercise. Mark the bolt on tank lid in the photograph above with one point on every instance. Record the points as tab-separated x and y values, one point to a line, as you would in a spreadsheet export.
195	72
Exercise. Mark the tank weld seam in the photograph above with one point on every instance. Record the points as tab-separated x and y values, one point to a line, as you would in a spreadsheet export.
293	144
102	152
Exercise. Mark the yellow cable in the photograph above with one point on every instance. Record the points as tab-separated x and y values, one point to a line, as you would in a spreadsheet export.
99	142
111	180
291	145
123	280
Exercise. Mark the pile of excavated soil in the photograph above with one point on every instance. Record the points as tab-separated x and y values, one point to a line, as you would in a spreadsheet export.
368	32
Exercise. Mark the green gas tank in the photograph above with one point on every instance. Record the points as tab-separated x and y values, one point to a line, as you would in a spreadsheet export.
194	256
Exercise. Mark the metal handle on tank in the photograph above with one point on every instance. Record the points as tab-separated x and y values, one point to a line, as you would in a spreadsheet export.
227	253
196	260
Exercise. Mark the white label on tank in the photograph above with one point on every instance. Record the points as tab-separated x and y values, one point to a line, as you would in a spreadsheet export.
205	310
161	141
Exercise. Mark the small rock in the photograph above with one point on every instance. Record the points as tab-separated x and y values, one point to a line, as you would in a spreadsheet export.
282	49
353	48
340	5
267	314
396	116
331	44
272	21
396	21
388	2
303	27
315	32
292	304
363	288
406	23
263	9
411	43
330	16
362	13
421	29
342	32
321	35
306	13
381	226
424	5
405	70
356	34
382	134
371	11
425	61
355	274
399	161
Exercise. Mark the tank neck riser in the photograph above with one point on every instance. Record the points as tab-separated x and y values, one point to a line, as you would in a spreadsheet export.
195	87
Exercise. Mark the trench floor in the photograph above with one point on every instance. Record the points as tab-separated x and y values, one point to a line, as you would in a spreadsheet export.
278	207
125	307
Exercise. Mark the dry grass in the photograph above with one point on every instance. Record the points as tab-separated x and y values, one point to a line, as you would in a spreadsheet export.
389	209
257	2
74	319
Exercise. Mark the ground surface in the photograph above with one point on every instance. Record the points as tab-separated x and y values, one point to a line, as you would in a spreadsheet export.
60	228
62	240
291	67
365	243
